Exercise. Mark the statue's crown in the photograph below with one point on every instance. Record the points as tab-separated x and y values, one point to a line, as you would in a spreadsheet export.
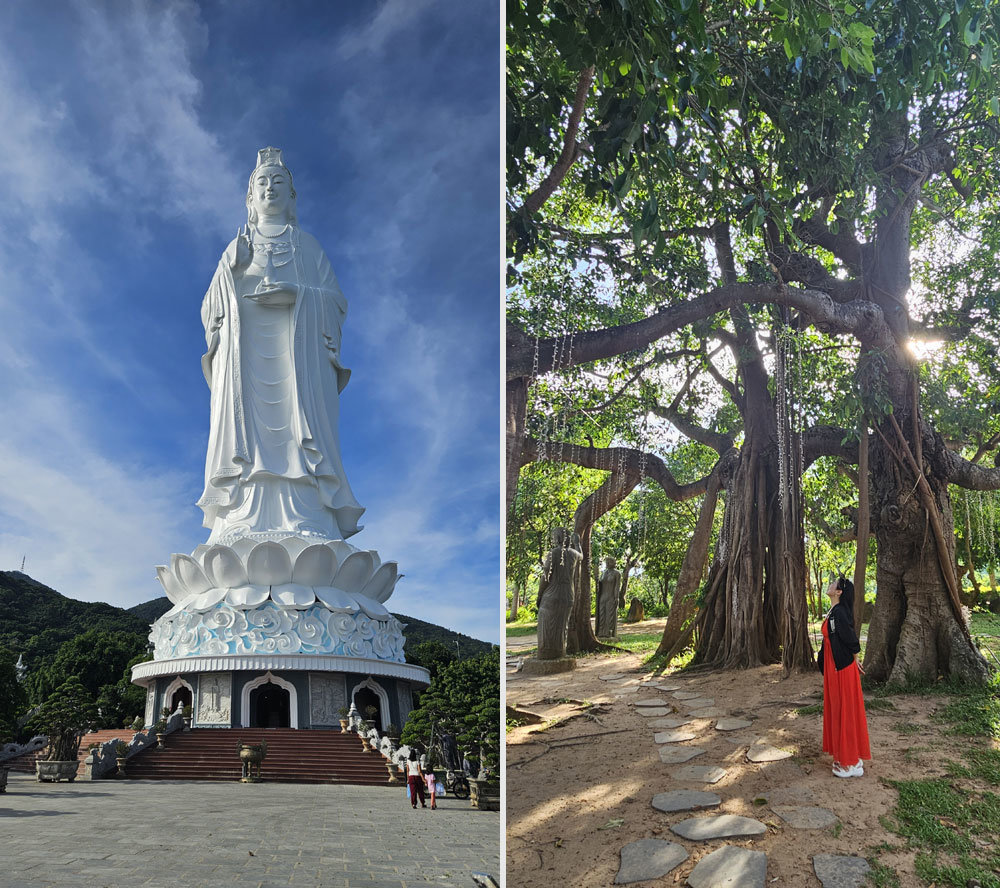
269	157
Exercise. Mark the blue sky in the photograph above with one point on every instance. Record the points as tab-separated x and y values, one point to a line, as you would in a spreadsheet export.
128	131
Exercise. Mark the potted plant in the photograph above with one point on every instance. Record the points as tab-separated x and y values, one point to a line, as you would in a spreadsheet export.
121	752
64	718
345	722
186	714
137	724
251	756
392	732
371	712
160	729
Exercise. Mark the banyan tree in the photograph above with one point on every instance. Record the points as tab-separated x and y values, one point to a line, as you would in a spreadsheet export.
743	219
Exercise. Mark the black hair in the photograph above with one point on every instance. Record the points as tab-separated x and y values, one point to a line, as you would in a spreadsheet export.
847	593
413	754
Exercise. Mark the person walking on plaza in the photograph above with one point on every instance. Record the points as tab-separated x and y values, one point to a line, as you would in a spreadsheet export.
431	781
415	779
845	728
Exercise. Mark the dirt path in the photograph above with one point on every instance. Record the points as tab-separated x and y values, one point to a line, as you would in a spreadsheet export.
580	781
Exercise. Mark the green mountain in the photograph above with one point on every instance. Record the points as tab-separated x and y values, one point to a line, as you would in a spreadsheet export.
35	620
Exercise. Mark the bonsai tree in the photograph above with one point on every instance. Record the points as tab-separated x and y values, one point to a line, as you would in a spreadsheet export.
64	718
371	712
343	712
121	749
160	727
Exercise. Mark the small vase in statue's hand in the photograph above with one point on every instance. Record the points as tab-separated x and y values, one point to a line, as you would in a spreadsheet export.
282	293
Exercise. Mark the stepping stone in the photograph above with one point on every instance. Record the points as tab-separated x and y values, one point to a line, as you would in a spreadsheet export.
613	676
685	800
840	871
761	752
649	701
805	817
648	859
740	739
622	690
654	711
699	773
732	724
673	736
677	755
718	826
708	712
671	721
699	702
730	867
687	695
664	687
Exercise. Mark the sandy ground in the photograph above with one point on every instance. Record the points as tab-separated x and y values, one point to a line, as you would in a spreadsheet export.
578	770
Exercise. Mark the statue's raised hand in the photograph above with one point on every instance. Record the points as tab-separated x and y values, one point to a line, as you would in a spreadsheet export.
244	251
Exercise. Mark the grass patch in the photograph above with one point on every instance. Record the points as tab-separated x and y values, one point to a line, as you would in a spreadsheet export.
520	629
811	709
950	826
906	728
974	713
882	876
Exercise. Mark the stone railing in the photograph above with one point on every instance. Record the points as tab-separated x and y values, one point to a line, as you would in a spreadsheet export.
14	750
104	760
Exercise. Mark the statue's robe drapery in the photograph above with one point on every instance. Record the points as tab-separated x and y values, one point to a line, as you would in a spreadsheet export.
608	590
264	474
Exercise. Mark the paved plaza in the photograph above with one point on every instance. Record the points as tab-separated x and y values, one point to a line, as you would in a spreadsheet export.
113	834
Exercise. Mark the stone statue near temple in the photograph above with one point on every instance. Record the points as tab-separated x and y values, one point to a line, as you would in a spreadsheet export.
608	592
272	318
560	576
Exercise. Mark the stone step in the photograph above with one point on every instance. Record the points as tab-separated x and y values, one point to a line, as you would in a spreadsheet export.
292	756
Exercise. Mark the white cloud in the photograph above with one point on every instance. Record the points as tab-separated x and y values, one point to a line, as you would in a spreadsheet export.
392	17
157	148
90	526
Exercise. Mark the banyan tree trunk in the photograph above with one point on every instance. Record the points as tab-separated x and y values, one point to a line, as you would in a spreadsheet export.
916	630
755	608
682	608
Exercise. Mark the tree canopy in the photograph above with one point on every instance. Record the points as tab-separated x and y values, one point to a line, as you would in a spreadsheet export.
768	227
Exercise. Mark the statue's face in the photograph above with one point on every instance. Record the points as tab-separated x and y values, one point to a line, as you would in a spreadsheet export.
271	191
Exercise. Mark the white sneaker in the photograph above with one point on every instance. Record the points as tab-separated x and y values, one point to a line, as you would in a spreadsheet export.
857	770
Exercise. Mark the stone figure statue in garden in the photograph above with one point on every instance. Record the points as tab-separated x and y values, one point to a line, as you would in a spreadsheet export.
560	576
608	592
272	317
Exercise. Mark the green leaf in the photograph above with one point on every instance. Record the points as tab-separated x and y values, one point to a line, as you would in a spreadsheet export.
615	822
971	33
624	68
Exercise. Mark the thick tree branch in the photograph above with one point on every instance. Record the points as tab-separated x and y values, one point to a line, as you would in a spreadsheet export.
718	442
823	440
626	461
964	473
844	245
570	150
860	318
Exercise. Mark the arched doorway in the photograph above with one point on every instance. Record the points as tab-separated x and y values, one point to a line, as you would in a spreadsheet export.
180	697
270	707
365	697
177	693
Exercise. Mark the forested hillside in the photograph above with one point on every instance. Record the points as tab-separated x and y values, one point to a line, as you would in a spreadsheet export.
45	626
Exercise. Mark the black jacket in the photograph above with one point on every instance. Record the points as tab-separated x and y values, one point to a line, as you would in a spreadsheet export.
844	643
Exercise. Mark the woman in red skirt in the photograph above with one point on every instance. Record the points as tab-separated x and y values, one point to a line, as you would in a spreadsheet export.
845	729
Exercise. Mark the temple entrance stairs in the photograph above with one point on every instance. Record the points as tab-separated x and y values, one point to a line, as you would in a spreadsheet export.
293	756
